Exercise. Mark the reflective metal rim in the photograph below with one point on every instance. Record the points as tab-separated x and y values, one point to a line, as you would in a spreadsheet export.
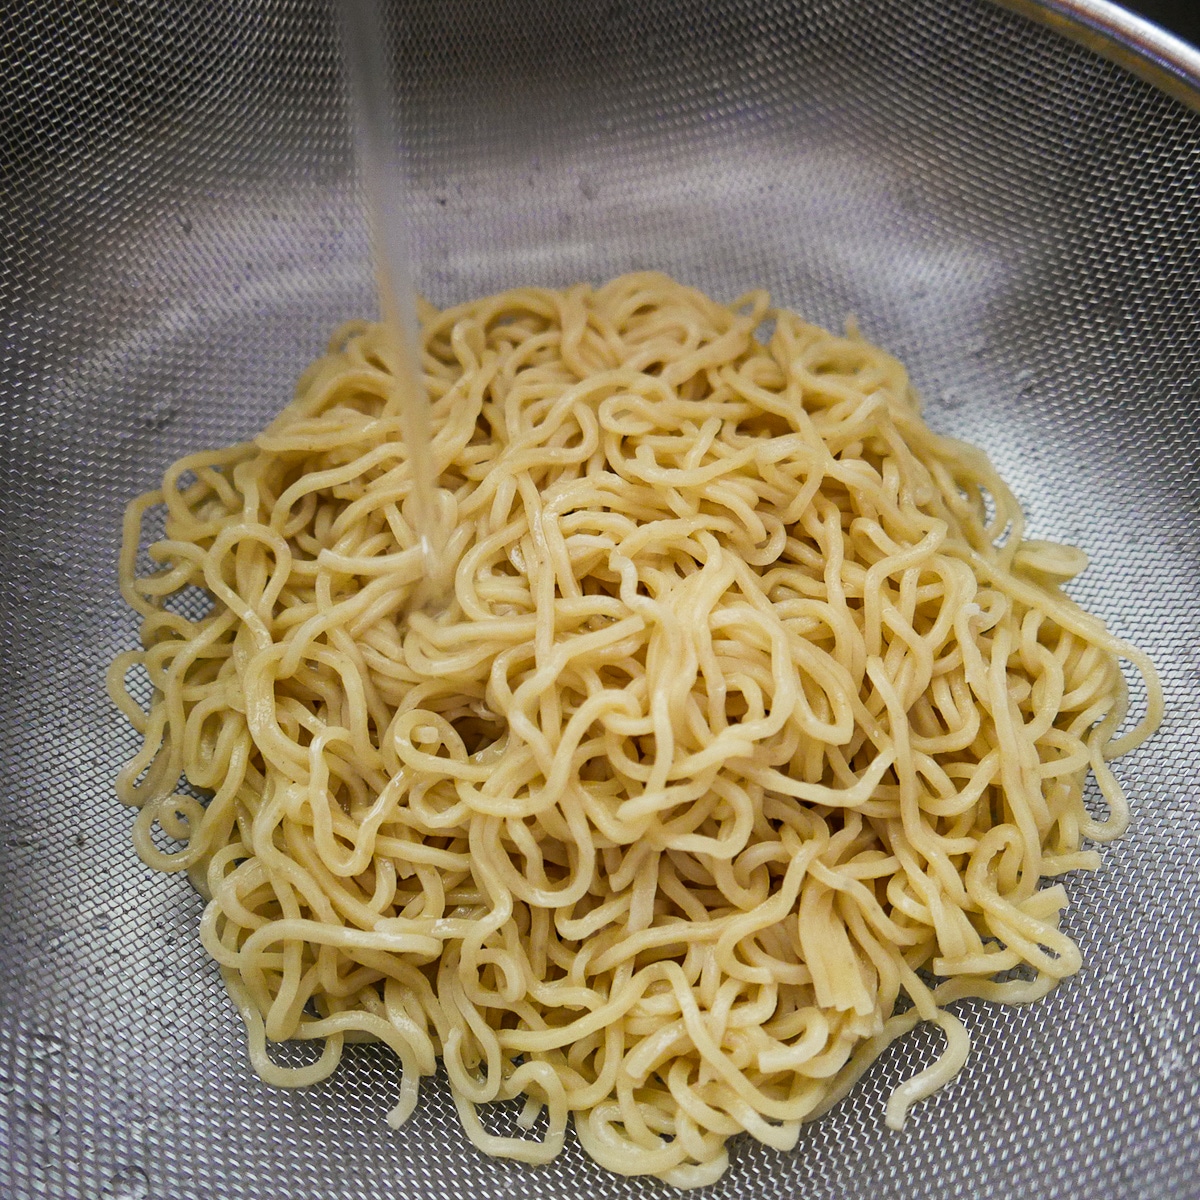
1122	37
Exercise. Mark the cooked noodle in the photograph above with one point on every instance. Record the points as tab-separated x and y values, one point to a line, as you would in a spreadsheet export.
752	715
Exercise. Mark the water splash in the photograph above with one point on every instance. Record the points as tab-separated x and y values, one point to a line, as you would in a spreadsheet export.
132	1183
46	1045
42	1122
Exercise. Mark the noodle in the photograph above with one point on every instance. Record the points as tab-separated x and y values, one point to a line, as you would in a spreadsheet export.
745	722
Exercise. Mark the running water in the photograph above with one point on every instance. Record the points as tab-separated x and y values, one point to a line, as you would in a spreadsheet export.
368	71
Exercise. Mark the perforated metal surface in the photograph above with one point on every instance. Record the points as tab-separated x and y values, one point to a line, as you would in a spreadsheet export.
1013	216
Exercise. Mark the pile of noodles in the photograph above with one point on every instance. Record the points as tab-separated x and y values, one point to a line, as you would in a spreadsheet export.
743	722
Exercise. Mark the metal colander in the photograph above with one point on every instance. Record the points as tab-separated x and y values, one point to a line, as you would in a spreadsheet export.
1012	214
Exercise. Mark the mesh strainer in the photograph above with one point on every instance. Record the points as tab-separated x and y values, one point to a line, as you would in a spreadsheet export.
1013	215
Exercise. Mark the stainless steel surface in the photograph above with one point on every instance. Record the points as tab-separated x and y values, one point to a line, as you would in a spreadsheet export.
1012	214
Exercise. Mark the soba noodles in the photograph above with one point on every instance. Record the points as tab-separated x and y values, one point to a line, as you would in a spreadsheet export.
746	741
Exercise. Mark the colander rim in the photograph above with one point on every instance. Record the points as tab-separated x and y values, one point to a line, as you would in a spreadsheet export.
1123	37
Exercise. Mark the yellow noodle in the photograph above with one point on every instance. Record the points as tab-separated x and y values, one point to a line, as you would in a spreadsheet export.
744	716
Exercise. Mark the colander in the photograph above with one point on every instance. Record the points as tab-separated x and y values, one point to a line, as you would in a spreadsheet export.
1011	212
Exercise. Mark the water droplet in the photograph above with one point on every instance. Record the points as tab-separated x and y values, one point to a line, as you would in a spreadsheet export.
129	1184
43	1123
950	399
46	1045
1023	380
